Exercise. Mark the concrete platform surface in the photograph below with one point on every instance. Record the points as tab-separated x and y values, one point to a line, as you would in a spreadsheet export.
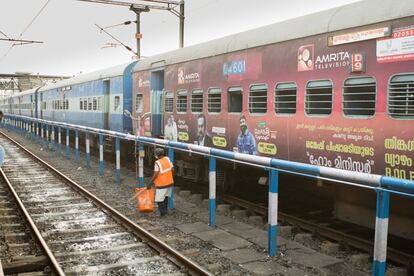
220	220
194	227
222	239
262	241
311	258
272	268
244	255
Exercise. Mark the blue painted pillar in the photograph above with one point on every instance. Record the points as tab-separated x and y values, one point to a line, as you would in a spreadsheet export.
67	143
53	138
101	155
42	133
273	209
88	150
59	140
212	191
37	132
118	160
381	233
47	136
32	131
77	144
171	199
141	154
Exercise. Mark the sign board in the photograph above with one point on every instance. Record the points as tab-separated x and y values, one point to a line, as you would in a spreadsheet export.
399	47
359	36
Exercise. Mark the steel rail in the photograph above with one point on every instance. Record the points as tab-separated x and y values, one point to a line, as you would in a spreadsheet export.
45	248
176	257
356	242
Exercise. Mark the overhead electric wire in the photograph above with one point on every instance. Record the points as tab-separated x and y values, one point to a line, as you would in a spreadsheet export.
114	38
26	28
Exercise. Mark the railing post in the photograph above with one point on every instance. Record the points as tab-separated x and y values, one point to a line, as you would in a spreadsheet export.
88	150
37	132
47	136
381	232
77	144
171	199
273	209
118	160
141	154
53	137
67	143
32	130
42	134
101	155
212	191
59	140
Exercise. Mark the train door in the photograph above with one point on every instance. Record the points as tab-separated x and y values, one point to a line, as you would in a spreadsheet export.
32	105
157	88
41	105
106	102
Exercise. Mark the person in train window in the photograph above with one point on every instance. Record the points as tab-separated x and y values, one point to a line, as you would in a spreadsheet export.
162	179
203	138
245	141
170	129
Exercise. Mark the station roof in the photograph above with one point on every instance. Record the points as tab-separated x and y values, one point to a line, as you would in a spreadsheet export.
101	74
344	17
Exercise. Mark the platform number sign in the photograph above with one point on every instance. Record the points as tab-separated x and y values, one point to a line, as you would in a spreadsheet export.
237	67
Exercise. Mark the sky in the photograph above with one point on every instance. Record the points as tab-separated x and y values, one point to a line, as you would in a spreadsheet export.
72	44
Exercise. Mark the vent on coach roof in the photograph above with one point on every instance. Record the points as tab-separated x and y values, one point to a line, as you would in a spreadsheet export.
401	97
214	100
318	98
197	101
181	101
285	98
359	97
169	101
258	99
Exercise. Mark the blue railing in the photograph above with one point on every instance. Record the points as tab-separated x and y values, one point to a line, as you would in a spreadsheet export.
381	184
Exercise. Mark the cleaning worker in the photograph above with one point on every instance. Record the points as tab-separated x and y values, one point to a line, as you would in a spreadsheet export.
162	179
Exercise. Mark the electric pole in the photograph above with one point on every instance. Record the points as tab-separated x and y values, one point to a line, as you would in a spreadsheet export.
138	8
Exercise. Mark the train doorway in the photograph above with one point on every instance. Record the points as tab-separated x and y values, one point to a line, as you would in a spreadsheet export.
157	91
106	98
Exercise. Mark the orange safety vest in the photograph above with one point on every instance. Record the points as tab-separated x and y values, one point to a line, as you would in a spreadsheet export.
165	176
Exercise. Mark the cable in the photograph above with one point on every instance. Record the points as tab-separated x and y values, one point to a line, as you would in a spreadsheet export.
27	27
117	40
4	34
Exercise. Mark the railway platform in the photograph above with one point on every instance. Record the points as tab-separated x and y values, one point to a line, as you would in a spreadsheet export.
237	245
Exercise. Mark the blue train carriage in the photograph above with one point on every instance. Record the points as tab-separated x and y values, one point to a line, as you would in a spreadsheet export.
96	99
27	102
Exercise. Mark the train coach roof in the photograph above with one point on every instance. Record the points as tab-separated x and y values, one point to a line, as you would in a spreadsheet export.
349	16
26	92
97	75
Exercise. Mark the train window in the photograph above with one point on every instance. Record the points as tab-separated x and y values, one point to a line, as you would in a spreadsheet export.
95	103
401	97
197	101
214	100
258	99
235	99
168	102
139	103
90	104
359	97
285	98
100	103
117	104
85	104
318	98
181	101
67	104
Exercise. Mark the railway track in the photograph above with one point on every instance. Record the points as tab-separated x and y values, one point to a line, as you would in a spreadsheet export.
78	232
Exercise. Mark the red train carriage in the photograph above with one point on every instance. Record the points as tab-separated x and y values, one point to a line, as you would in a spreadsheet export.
335	89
